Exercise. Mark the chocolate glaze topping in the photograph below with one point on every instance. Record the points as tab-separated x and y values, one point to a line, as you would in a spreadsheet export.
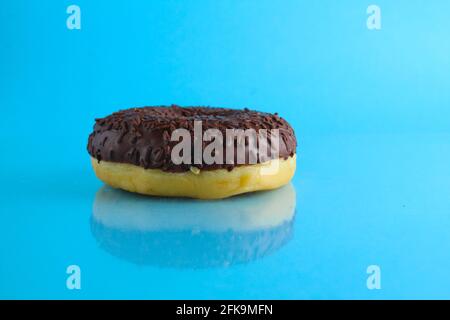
141	136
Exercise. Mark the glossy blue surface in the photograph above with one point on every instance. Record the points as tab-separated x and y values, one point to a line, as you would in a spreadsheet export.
371	111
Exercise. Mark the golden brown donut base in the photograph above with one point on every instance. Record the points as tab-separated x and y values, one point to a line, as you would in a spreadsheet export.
206	184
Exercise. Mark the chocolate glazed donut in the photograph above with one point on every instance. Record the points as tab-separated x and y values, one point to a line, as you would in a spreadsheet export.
140	138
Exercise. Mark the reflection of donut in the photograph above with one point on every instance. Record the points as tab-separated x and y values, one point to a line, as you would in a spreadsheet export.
191	233
132	150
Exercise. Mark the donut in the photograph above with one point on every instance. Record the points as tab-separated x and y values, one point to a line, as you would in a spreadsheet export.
199	234
196	152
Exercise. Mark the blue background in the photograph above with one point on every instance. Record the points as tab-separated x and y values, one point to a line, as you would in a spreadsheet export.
371	110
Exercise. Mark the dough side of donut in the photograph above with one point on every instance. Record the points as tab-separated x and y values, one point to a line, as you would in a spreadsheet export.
207	184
